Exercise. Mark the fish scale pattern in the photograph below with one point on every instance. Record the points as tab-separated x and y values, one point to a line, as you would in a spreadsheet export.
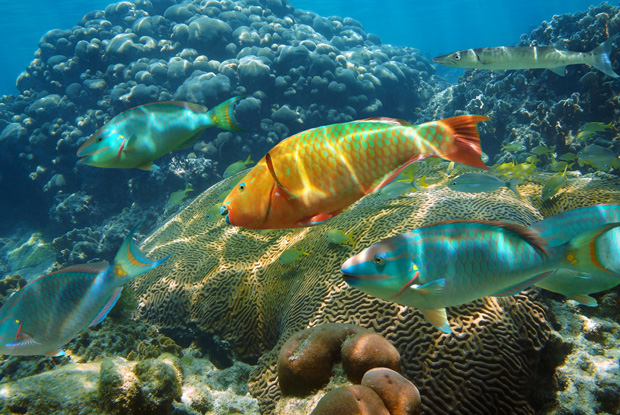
227	281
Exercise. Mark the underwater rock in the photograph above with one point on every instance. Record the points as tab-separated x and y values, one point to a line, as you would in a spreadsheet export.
351	400
32	258
399	395
366	351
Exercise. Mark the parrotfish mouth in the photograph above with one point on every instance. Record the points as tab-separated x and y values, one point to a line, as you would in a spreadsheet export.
224	212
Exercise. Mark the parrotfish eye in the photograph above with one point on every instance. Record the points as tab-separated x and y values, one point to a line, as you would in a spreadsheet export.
379	259
99	139
457	56
241	187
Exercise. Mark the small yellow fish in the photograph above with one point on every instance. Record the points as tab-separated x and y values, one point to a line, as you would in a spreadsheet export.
177	197
213	214
532	159
559	166
505	169
522	170
236	167
513	147
584	135
568	157
399	188
291	255
595	127
601	158
542	150
554	184
336	236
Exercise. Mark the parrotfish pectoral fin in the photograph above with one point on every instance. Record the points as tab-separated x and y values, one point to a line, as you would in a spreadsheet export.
559	71
584	299
107	307
23	340
601	57
55	353
438	318
223	116
189	141
149	166
466	147
275	178
517	288
130	263
390	177
316	219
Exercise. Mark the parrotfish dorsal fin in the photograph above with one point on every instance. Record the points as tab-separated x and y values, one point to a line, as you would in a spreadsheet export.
273	174
107	307
387	120
528	235
183	104
93	268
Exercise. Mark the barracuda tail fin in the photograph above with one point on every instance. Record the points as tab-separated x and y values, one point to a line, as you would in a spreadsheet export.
594	251
223	116
466	139
130	263
601	57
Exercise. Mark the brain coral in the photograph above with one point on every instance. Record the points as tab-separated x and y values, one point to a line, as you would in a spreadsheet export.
228	282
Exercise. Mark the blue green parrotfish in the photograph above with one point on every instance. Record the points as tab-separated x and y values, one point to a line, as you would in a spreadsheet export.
137	137
558	230
451	263
51	310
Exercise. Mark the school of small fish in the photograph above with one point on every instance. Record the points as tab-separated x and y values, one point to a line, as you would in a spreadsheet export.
310	177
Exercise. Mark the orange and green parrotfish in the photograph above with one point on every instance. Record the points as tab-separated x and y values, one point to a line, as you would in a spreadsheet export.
530	57
51	310
312	176
137	137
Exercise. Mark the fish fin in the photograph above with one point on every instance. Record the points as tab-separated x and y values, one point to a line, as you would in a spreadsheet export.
387	120
391	176
560	70
130	263
23	339
511	185
438	318
107	307
119	153
499	71
517	288
466	148
130	144
149	166
316	219
223	115
93	268
582	252
189	141
584	299
273	174
350	240
184	104
55	353
601	57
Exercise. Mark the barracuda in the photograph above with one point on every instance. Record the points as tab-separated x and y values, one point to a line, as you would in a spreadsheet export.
530	57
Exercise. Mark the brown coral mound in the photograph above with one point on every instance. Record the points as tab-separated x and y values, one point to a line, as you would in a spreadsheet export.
399	395
365	351
351	400
228	282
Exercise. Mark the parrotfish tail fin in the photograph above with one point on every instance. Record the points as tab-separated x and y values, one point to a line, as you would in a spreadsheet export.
466	147
223	116
593	251
601	57
130	263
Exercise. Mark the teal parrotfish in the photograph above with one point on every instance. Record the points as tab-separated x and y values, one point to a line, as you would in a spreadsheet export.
137	137
559	229
51	310
504	58
451	263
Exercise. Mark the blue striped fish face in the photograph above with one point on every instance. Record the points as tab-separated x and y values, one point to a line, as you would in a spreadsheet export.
384	270
10	328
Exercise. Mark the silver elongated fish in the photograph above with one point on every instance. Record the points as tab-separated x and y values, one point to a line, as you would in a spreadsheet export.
530	57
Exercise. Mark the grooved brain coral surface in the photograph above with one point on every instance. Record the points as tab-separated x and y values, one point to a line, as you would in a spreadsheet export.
227	281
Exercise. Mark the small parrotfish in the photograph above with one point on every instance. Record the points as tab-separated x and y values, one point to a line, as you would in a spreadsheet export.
513	147
236	167
553	185
481	182
291	255
177	197
336	236
504	58
558	230
541	150
451	263
137	137
312	176
51	310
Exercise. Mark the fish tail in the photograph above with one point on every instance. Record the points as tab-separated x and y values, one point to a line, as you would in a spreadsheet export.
592	251
600	56
466	148
130	263
510	184
223	116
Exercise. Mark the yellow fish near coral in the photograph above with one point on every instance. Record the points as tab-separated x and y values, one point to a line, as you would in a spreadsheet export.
236	167
177	197
291	255
338	237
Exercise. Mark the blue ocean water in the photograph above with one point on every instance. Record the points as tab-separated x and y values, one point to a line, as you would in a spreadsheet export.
432	27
